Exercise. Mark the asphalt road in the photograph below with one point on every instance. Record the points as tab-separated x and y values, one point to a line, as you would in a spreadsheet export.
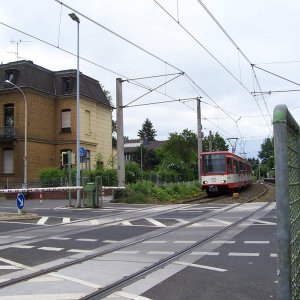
240	264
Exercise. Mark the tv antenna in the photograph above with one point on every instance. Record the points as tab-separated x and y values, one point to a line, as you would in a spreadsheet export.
17	44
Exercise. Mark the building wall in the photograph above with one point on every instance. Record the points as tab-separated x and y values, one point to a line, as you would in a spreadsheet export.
96	133
46	99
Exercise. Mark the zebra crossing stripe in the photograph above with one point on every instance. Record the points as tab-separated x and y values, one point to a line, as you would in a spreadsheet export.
42	220
155	222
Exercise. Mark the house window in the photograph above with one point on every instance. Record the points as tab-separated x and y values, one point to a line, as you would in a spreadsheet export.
87	122
88	161
66	120
8	161
8	115
11	75
67	84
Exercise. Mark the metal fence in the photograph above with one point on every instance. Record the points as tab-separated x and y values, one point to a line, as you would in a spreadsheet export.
287	166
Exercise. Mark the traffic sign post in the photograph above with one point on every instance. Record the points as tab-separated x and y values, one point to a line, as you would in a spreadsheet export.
20	202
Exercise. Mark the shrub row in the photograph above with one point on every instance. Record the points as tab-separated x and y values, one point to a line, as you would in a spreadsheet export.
149	192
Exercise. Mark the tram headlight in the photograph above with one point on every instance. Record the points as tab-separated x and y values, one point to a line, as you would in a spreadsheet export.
205	182
223	181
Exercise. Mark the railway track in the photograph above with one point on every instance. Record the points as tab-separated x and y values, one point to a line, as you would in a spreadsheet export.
74	263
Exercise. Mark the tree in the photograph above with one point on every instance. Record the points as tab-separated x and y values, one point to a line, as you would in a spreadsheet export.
266	154
147	132
267	150
218	143
179	153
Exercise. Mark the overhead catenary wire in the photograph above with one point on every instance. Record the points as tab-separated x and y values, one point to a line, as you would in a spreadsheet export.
84	59
276	75
204	48
150	91
242	53
137	46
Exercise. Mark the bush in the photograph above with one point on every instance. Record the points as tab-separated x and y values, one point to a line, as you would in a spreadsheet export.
149	192
51	177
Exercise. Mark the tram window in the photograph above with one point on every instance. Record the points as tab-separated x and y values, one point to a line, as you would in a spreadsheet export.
214	163
241	167
235	166
229	165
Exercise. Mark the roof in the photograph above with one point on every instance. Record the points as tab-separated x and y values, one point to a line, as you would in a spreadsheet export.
131	145
30	75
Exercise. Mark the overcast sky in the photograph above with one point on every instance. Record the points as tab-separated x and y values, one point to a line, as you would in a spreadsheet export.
186	39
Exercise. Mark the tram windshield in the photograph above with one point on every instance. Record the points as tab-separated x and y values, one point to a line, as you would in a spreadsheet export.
214	163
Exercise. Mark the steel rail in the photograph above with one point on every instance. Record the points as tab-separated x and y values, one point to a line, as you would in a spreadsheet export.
52	269
103	292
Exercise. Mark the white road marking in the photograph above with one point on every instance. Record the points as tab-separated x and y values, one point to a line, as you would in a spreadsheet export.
161	252
22	246
86	240
80	251
220	221
257	242
242	254
154	242
110	241
126	252
222	242
50	249
182	221
126	223
23	237
204	253
126	295
66	220
9	267
18	265
94	222
42	220
59	238
200	266
82	282
262	222
155	222
273	254
185	242
45	297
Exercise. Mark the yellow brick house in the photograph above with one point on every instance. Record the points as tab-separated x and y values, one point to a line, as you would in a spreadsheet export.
51	120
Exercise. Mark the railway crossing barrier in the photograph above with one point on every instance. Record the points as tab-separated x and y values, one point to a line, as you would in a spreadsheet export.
287	168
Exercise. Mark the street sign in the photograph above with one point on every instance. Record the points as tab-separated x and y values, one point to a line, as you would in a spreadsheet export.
82	151
20	201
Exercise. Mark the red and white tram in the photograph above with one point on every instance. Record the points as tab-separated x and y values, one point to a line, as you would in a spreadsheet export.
223	171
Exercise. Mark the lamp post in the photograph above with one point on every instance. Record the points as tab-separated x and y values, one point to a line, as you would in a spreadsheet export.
76	19
25	133
141	146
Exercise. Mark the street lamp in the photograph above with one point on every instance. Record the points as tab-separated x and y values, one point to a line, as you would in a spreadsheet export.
25	133
76	19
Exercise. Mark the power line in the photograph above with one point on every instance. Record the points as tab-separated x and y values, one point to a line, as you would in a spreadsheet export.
242	53
119	36
150	91
82	58
203	47
276	75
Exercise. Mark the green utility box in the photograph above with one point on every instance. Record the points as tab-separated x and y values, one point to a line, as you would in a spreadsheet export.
90	189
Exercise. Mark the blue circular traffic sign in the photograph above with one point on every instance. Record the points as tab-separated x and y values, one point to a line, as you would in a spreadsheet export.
20	201
82	151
